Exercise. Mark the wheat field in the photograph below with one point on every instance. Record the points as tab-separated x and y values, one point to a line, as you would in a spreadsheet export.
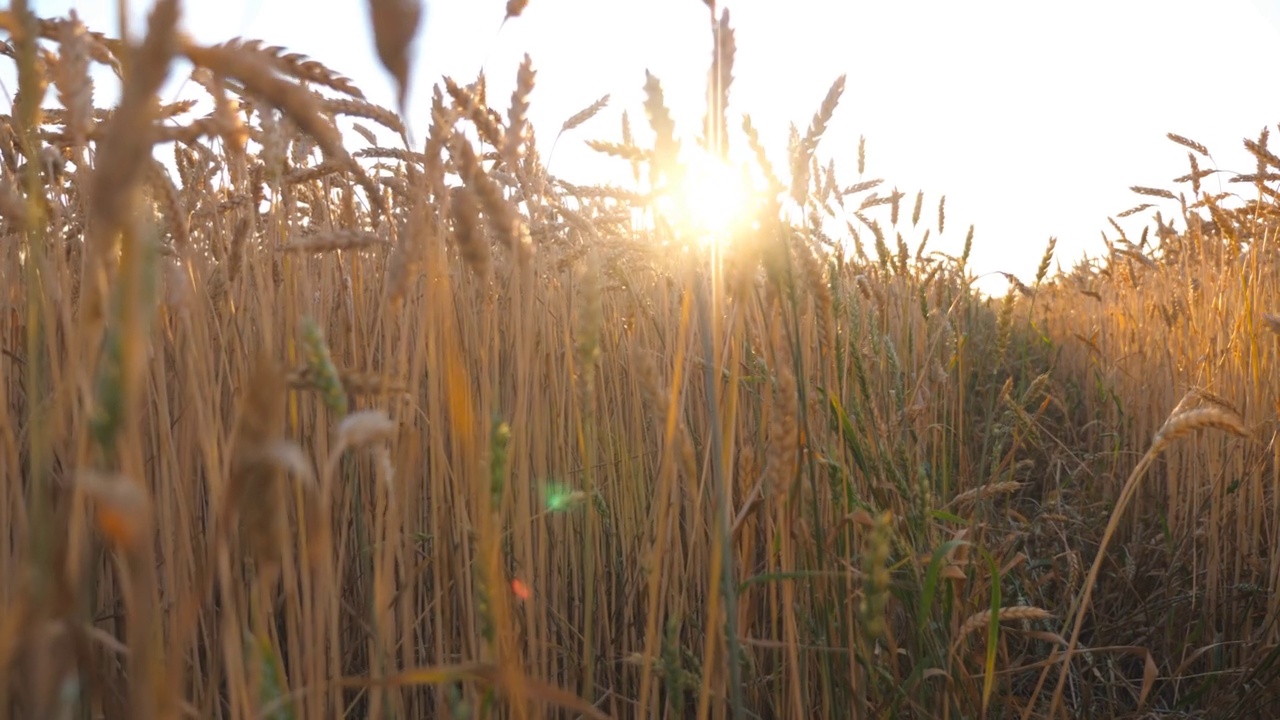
297	422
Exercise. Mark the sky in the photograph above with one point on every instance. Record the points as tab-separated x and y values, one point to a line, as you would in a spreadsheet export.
1033	118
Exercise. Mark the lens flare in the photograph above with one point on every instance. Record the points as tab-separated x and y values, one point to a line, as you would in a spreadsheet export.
521	589
559	498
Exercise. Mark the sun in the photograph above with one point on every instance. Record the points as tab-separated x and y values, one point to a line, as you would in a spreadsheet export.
712	199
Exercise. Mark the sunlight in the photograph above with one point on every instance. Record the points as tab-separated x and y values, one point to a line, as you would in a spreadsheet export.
712	199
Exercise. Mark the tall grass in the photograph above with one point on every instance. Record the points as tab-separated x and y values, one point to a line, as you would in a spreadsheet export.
292	428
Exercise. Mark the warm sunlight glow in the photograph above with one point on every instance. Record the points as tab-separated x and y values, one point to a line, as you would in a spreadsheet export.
713	199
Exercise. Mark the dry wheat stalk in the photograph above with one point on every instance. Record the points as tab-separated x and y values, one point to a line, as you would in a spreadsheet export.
982	619
1188	143
298	104
666	148
71	76
473	246
719	79
163	186
473	108
120	157
1177	426
364	109
985	491
1187	422
297	66
502	215
582	116
254	493
517	115
332	240
395	23
1153	192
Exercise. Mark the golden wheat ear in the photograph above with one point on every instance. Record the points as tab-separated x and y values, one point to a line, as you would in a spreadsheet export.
395	24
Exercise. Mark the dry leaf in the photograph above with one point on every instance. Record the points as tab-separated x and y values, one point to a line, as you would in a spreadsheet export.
1149	674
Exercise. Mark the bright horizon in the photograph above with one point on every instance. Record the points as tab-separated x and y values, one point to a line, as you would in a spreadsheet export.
1033	122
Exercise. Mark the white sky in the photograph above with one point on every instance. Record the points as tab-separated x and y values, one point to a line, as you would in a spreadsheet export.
1033	118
